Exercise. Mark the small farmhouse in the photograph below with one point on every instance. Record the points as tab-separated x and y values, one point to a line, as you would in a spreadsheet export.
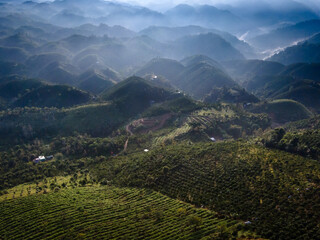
42	159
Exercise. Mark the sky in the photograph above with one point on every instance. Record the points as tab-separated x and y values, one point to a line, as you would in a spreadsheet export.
165	4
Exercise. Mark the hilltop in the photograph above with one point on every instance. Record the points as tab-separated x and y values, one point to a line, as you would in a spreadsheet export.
230	95
135	95
53	96
97	82
165	67
199	79
209	44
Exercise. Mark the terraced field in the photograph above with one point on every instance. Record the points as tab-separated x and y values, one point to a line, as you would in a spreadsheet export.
110	213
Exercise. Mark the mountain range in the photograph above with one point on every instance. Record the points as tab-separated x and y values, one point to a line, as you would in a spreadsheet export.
124	121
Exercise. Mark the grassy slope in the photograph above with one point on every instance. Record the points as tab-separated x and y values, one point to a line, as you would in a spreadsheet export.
109	213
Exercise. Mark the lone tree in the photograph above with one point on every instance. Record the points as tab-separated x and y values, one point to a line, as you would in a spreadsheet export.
194	221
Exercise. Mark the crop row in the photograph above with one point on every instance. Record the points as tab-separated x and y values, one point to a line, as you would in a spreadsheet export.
106	213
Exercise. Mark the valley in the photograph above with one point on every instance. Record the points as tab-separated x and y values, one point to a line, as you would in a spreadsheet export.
123	121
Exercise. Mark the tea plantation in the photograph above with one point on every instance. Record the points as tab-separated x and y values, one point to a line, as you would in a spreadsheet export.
111	213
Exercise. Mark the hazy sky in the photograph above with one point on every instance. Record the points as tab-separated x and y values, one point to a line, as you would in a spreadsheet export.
163	4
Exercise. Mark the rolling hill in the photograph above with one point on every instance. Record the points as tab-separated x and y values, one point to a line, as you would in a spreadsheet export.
315	39
12	54
282	110
198	80
244	70
37	62
102	29
94	82
168	34
53	96
230	95
160	66
192	60
266	86
203	15
286	36
135	95
159	81
301	53
286	87
303	71
20	41
11	68
76	43
209	44
305	92
14	89
59	73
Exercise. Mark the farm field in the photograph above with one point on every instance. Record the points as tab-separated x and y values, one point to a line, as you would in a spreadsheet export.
111	213
235	179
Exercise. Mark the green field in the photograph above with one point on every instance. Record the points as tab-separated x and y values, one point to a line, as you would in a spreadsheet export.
111	213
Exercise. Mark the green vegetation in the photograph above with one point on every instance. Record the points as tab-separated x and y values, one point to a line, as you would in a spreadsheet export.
303	71
199	148
15	89
274	190
135	95
25	124
209	44
196	59
286	87
311	123
53	96
283	110
305	92
70	155
110	212
38	62
230	95
198	80
96	82
244	70
58	73
163	67
301	137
